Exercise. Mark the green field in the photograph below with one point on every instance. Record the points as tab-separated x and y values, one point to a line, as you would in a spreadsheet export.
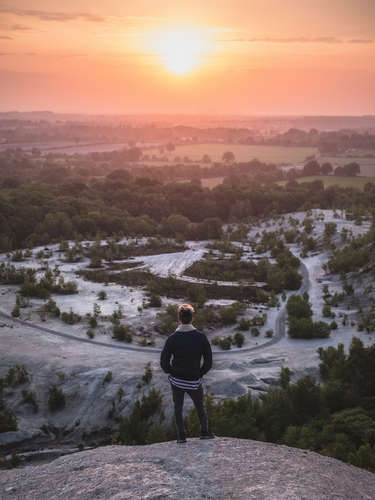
242	152
332	180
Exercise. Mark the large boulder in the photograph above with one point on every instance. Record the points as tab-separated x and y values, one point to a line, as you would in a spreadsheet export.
223	468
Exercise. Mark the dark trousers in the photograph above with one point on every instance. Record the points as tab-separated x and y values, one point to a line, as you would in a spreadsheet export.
178	400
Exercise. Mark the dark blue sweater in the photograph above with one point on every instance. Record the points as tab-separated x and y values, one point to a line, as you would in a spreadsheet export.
187	349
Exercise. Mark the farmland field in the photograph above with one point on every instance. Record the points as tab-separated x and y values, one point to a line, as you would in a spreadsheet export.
242	152
211	182
332	180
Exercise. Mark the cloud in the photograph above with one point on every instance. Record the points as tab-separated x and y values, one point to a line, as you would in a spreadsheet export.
44	15
360	40
299	39
20	27
18	54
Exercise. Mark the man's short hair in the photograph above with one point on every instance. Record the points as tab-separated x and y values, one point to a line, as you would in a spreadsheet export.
185	313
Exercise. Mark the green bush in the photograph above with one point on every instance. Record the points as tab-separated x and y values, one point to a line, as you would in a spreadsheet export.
238	339
155	301
71	318
147	377
8	420
52	308
244	325
28	397
225	343
122	333
16	375
16	311
56	399
135	428
255	331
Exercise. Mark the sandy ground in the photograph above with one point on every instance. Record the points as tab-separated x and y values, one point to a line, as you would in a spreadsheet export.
83	365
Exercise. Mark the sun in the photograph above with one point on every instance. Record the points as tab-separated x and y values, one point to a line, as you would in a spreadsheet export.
181	50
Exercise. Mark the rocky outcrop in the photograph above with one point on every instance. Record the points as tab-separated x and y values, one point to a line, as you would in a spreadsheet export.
223	468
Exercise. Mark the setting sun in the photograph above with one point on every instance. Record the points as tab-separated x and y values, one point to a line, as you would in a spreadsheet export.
181	50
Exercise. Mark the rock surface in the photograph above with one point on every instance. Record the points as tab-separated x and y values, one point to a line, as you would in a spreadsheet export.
223	468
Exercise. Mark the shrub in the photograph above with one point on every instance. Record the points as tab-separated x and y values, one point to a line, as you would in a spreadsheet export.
228	315
155	301
52	308
120	394
225	343
71	318
102	295
29	398
255	331
16	375
108	377
122	333
333	325
8	420
238	339
298	307
244	324
134	428
93	323
147	377
90	333
269	334
16	311
56	399
326	311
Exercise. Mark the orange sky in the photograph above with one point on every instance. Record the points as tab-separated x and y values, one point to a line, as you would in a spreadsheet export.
256	57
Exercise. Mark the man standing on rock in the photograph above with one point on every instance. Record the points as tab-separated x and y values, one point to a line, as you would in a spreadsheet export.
187	345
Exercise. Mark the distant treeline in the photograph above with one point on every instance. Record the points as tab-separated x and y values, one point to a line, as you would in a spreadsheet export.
36	214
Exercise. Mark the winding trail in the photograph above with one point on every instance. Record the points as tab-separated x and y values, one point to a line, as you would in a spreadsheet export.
278	335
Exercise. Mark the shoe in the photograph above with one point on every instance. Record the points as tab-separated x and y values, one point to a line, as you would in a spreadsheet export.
181	441
207	435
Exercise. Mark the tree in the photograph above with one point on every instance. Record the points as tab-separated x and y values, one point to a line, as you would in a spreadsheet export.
312	167
326	168
228	157
56	399
298	307
177	224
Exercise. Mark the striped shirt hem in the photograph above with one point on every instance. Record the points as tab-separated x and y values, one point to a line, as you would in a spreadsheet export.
185	384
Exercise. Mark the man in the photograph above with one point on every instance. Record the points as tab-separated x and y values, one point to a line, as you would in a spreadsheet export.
187	345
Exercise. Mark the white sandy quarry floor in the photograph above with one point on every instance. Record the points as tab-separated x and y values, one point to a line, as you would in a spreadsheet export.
84	363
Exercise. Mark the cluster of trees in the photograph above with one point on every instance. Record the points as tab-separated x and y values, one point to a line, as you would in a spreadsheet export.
313	167
301	325
279	276
49	283
335	418
35	214
354	256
